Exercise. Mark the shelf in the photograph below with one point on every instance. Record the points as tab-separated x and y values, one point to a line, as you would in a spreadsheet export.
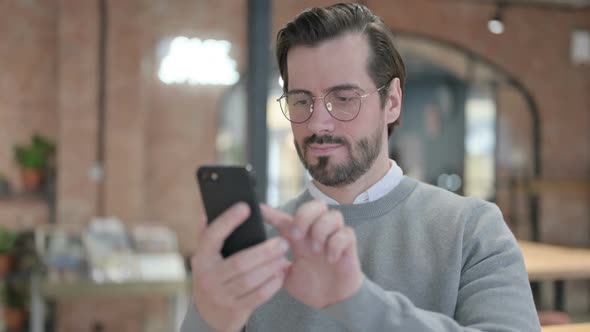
23	211
87	288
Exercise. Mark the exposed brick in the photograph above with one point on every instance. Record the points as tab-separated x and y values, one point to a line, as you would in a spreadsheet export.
158	134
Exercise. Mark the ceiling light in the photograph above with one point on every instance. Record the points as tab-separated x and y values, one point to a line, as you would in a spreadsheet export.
198	62
496	23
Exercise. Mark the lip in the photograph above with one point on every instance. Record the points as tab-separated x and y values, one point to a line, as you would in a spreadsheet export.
322	149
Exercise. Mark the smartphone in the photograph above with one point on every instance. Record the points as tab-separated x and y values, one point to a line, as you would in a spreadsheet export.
223	186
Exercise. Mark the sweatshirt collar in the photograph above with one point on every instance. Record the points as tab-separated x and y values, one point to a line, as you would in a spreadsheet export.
386	184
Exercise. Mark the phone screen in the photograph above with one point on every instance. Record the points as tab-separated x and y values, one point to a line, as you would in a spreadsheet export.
223	186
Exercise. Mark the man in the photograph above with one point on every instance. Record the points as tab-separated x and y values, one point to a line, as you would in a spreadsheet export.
369	249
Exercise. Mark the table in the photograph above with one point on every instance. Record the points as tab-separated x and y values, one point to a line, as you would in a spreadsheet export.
42	290
585	327
546	262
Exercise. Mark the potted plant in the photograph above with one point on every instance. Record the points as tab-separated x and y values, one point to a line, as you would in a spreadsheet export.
7	241
33	159
4	185
16	292
12	300
15	304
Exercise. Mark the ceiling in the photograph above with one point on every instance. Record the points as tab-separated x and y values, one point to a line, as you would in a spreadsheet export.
566	4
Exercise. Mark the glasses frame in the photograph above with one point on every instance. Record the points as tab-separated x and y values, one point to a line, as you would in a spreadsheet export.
313	98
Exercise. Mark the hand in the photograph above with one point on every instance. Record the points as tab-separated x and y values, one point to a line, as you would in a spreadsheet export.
227	291
325	268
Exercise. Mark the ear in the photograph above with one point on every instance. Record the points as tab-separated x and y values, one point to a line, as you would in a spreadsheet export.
393	106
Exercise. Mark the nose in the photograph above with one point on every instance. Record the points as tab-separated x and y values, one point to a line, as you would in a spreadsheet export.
321	121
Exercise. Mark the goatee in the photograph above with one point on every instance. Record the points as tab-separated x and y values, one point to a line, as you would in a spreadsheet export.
361	157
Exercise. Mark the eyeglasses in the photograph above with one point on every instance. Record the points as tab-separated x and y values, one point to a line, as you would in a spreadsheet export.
343	104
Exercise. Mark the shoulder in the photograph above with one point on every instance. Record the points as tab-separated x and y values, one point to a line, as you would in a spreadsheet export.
440	198
477	225
463	219
439	203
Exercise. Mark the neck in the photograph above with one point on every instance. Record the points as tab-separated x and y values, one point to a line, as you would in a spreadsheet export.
347	194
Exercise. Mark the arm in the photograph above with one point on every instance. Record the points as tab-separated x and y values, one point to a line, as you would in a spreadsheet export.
494	292
193	322
225	291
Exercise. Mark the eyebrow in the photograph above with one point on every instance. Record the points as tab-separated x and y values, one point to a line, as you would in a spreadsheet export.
343	86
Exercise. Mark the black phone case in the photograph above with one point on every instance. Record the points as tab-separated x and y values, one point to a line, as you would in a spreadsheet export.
223	186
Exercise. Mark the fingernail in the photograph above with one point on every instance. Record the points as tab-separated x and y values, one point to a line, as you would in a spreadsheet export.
296	233
316	247
283	245
241	207
286	264
331	258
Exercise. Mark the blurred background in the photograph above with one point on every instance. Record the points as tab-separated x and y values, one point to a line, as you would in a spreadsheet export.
107	108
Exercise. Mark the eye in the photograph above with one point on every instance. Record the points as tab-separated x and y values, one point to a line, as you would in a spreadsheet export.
298	100
301	102
344	96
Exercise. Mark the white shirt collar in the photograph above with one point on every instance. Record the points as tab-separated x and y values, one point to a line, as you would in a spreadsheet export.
386	184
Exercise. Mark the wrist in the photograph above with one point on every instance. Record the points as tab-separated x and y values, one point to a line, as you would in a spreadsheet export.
353	290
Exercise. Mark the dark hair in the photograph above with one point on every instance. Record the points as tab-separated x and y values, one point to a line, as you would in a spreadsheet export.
316	25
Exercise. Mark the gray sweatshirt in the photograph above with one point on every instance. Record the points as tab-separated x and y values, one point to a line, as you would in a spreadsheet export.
433	261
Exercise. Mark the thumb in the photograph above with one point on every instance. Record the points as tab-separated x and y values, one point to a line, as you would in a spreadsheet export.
201	224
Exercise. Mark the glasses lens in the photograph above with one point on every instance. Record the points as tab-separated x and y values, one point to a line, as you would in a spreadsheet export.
296	106
343	104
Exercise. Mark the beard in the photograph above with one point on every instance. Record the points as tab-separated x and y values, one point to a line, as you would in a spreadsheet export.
361	156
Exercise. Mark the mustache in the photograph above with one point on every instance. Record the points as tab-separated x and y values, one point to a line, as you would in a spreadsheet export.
324	139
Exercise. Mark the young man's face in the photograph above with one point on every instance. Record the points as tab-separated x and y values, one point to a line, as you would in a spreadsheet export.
337	153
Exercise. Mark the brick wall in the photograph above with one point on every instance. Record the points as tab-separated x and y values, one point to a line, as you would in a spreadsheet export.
28	84
151	126
157	134
77	109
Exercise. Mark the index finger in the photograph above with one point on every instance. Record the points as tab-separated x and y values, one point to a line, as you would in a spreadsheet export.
212	238
306	215
276	218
